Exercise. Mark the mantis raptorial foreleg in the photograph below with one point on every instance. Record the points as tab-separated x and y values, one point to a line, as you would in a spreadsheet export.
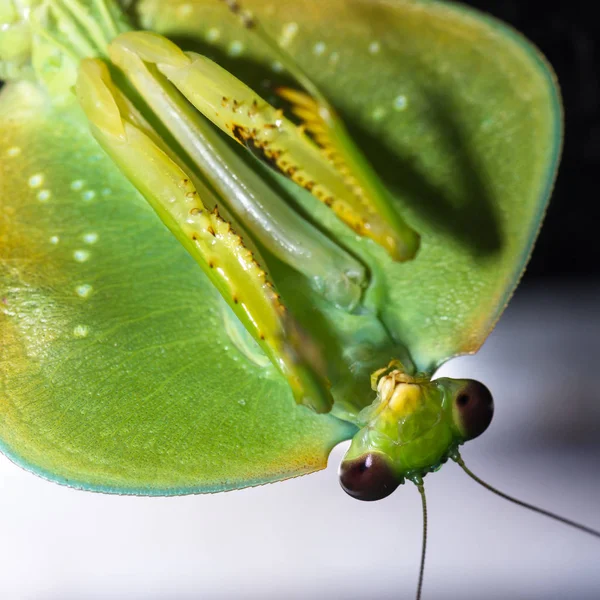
329	132
247	118
130	141
331	270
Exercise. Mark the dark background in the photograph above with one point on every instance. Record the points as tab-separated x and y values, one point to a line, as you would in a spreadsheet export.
568	33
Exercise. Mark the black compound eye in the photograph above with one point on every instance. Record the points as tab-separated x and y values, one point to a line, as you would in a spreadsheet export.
368	477
474	409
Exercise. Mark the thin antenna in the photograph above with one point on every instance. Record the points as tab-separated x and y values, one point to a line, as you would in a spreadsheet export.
536	509
421	489
249	21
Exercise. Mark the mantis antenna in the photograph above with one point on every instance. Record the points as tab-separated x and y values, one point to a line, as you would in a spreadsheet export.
249	21
458	459
421	489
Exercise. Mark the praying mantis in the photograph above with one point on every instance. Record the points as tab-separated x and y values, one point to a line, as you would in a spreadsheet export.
185	261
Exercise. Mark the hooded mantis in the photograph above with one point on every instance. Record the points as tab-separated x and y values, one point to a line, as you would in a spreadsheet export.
333	298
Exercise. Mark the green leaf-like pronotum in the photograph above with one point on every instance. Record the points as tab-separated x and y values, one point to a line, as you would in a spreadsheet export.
148	359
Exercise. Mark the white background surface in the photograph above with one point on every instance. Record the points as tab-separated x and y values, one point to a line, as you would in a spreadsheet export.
305	538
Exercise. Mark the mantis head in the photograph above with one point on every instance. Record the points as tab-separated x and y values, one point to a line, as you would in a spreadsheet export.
412	428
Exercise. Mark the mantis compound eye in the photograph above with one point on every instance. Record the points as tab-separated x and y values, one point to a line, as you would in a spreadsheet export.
473	409
368	477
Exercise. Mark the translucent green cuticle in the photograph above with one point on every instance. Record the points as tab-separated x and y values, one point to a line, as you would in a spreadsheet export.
349	310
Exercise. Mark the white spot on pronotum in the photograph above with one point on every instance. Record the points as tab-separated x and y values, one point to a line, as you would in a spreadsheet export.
89	195
213	34
374	47
277	67
242	402
36	180
77	184
378	113
90	238
106	192
81	331
14	151
487	124
334	58
319	48
185	10
400	103
84	290
288	33
44	195
81	255
54	240
235	48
